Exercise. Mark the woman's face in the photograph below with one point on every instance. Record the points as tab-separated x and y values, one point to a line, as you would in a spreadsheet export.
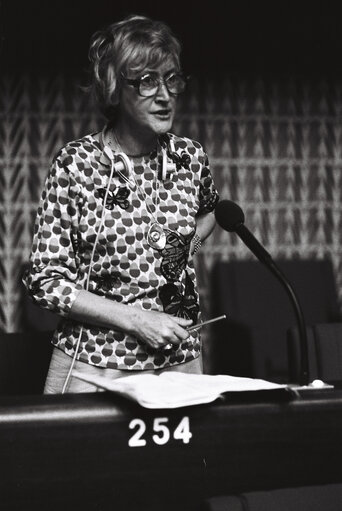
149	115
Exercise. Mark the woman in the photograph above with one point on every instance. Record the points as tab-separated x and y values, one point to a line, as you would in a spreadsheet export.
120	217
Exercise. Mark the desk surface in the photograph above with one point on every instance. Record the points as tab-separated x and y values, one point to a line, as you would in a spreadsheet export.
97	451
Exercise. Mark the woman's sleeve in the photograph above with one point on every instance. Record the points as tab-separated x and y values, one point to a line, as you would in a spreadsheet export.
51	279
208	195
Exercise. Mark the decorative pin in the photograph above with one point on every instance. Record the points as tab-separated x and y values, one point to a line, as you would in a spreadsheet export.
156	237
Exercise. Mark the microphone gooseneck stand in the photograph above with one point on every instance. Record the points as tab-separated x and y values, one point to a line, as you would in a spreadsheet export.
304	359
231	218
264	257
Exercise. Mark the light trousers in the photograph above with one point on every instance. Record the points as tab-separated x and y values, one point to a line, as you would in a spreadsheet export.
61	363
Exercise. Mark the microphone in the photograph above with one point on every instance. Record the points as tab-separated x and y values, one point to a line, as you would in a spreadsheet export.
231	218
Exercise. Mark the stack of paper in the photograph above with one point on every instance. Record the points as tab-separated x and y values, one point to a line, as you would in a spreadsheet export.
173	389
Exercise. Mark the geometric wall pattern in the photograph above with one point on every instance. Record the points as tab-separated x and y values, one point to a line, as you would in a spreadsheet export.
275	147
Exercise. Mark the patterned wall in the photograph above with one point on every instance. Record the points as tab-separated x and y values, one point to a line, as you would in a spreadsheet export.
275	147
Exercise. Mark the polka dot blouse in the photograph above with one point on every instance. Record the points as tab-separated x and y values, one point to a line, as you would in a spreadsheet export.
122	267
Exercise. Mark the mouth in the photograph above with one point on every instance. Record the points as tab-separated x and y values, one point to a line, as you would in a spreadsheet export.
162	114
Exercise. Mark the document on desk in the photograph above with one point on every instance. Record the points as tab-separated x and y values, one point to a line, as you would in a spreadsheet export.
174	390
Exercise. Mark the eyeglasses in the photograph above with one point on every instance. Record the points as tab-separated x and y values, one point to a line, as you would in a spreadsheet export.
148	84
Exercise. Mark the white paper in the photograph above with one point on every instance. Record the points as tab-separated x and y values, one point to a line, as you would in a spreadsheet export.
174	389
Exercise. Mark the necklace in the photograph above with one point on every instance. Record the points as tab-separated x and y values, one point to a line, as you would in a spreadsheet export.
156	236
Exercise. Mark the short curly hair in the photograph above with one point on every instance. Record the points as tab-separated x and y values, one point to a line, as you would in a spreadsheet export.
128	45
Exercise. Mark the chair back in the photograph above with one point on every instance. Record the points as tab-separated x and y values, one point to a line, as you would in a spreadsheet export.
24	362
253	340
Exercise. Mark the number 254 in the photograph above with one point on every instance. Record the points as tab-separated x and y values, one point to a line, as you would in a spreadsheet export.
161	432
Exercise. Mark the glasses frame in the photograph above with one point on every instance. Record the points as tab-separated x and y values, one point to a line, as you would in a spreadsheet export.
136	83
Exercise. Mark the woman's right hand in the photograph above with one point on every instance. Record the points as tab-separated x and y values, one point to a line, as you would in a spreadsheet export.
158	329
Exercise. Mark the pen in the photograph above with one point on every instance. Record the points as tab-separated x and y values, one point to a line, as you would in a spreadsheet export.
199	325
195	327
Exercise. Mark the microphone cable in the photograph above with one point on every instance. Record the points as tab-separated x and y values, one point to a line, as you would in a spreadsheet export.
126	163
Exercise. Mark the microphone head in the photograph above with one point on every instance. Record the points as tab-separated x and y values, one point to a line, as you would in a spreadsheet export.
229	215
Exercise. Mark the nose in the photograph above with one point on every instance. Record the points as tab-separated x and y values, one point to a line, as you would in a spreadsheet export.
162	92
